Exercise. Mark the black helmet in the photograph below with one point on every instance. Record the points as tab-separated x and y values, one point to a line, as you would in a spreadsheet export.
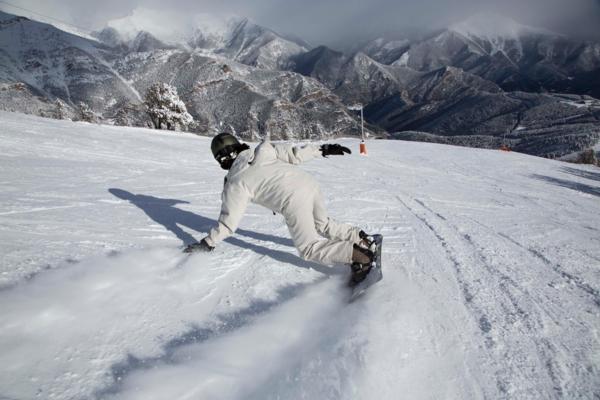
225	149
221	142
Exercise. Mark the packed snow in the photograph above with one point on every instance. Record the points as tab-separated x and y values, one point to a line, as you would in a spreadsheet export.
491	275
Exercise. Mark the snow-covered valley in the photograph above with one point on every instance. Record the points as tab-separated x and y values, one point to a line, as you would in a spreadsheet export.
491	282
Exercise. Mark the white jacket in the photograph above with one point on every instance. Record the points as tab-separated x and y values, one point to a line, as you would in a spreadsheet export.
267	177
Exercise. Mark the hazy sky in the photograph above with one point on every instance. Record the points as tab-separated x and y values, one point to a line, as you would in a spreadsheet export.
337	21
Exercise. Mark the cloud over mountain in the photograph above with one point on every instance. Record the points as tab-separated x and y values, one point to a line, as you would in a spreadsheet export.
335	23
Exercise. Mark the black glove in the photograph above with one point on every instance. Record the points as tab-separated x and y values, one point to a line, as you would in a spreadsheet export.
198	246
334	149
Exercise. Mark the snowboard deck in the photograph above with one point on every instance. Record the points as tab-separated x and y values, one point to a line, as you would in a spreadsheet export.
375	274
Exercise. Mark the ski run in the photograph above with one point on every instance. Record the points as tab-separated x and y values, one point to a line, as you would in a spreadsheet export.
490	291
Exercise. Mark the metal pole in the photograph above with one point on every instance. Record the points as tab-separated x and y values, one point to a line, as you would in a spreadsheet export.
363	145
362	129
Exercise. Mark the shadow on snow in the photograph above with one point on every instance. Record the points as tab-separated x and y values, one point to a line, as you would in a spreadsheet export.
580	187
593	176
164	212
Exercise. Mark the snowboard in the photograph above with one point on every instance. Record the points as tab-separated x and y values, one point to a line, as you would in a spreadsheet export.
375	274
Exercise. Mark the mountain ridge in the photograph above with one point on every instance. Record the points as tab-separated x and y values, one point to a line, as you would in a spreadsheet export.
239	76
112	80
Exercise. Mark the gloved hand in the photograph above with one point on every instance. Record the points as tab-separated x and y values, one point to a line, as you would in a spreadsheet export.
334	149
198	246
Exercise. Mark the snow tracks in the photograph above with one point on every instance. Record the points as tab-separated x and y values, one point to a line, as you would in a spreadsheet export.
533	334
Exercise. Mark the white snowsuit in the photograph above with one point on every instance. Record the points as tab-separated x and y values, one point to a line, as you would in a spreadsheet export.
267	177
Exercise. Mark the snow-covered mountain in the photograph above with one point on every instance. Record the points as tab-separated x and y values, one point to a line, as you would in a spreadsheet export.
236	38
386	50
248	101
54	64
39	64
490	290
355	78
236	75
456	86
455	106
515	56
142	41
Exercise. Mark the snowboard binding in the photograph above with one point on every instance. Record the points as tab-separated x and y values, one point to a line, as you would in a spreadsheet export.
363	258
367	241
359	272
366	265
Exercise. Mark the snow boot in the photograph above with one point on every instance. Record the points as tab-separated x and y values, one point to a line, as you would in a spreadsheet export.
367	241
362	262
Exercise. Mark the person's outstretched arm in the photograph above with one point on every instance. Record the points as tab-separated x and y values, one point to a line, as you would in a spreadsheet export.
299	154
235	200
296	154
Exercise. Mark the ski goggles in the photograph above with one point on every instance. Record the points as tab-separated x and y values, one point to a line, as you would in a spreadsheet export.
227	156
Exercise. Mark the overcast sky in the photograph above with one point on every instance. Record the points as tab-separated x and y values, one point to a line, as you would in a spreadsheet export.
337	21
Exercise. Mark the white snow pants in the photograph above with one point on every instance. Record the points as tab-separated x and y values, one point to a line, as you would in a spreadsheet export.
308	223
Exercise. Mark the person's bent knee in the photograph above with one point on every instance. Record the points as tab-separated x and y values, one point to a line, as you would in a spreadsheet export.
305	252
321	226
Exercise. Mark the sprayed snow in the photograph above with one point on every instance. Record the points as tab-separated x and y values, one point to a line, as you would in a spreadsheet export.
490	286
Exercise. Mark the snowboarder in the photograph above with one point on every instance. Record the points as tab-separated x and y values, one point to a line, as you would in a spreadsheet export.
268	176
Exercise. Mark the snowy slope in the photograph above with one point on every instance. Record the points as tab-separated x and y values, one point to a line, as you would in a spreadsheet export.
491	264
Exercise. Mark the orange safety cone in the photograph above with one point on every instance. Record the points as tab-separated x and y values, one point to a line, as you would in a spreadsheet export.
363	148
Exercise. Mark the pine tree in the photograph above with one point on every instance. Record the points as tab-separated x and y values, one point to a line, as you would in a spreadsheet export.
587	156
85	113
60	111
165	108
122	117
